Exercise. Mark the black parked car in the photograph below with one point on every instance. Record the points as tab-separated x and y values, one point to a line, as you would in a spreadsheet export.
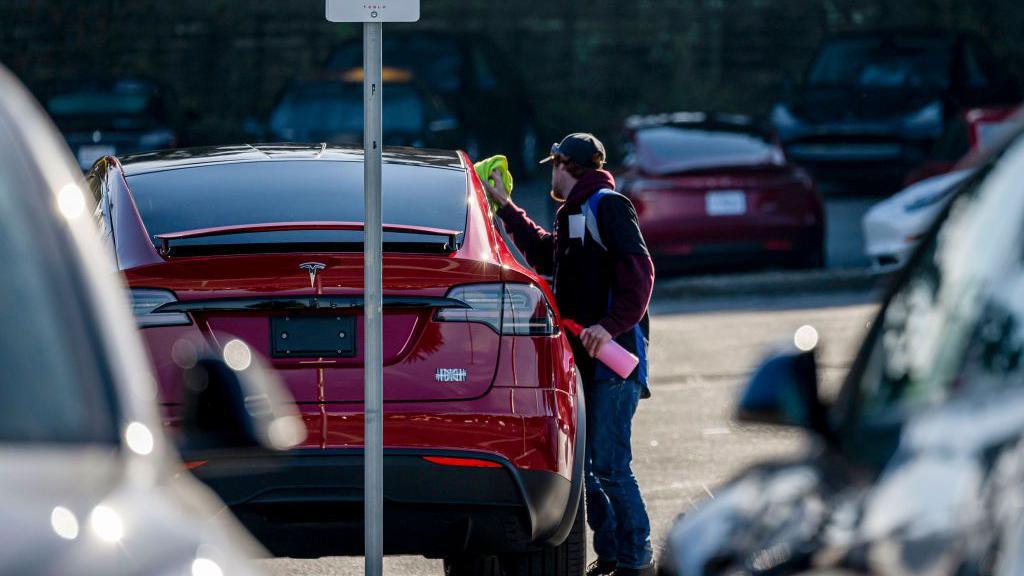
484	89
118	116
872	104
919	465
331	110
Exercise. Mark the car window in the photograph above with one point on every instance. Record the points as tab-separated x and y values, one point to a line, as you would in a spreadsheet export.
882	63
674	149
297	191
434	60
955	324
52	386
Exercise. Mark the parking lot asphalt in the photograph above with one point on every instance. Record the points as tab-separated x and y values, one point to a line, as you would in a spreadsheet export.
685	442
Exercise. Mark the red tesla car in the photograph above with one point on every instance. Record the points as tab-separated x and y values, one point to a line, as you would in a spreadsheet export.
712	190
482	408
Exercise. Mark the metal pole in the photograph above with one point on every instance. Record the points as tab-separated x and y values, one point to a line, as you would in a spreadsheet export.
373	459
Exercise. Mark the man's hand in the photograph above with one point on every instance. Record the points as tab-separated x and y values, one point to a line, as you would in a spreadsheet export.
594	338
497	192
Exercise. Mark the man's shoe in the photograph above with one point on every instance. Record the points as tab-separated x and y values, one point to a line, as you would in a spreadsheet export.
645	571
602	568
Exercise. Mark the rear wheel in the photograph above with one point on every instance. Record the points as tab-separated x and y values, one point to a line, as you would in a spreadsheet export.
472	565
567	559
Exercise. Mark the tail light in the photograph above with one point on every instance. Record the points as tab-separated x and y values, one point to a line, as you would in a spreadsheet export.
145	302
509	309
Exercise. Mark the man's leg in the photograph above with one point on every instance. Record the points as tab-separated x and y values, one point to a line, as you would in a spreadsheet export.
610	463
600	515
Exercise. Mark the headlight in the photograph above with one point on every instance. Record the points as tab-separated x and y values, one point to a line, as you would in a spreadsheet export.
927	119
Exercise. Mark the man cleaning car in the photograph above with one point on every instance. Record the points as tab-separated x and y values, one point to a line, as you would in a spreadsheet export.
603	278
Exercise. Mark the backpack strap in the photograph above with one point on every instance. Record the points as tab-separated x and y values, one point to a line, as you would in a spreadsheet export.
590	214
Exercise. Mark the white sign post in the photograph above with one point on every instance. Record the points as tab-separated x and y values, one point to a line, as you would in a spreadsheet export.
372	14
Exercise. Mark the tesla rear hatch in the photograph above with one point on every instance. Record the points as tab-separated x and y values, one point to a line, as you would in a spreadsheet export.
270	252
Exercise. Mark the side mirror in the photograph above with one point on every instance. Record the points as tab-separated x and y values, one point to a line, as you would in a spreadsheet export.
233	403
784	390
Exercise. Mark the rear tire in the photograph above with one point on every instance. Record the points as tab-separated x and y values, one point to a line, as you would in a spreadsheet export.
472	565
567	559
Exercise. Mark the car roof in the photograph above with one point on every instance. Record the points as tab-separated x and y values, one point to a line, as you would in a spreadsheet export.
146	162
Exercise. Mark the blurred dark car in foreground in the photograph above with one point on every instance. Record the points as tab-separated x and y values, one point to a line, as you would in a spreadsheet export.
872	104
918	464
715	190
118	116
89	483
482	86
331	110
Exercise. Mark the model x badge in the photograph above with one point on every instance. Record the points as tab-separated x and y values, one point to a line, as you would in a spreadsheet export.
312	268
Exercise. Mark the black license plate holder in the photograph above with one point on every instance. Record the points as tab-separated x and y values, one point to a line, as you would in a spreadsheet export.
312	336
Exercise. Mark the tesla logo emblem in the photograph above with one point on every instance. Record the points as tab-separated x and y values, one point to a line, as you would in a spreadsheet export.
450	375
312	268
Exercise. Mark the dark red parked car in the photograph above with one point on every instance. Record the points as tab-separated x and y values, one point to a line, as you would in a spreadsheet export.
482	408
713	190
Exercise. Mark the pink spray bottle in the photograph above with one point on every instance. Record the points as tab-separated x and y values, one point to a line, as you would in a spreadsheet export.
612	354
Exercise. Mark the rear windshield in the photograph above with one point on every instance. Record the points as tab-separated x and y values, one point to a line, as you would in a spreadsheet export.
297	191
676	149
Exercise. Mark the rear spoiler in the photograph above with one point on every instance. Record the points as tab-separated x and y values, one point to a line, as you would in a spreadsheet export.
166	239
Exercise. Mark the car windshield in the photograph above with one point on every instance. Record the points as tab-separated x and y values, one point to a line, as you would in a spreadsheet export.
297	191
435	60
957	322
333	112
676	149
882	63
52	387
102	111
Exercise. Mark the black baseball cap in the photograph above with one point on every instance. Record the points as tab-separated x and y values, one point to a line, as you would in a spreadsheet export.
581	147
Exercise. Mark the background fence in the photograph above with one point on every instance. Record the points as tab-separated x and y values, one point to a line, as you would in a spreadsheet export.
588	64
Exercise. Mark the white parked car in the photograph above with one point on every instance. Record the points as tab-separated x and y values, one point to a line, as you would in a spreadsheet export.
893	227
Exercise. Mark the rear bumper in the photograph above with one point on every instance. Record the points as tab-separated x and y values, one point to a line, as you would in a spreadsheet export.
309	503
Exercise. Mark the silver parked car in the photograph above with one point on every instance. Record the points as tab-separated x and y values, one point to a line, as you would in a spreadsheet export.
89	483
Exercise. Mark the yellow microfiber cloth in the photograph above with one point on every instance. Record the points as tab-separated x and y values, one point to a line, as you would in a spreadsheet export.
485	167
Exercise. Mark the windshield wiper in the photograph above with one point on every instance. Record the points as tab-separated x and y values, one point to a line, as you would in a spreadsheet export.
165	239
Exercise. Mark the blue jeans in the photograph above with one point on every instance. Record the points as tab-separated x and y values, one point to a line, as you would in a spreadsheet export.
615	509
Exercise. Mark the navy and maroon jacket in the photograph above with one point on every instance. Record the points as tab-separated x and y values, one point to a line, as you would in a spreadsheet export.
605	276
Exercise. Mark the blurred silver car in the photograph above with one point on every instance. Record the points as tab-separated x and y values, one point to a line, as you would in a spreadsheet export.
89	484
